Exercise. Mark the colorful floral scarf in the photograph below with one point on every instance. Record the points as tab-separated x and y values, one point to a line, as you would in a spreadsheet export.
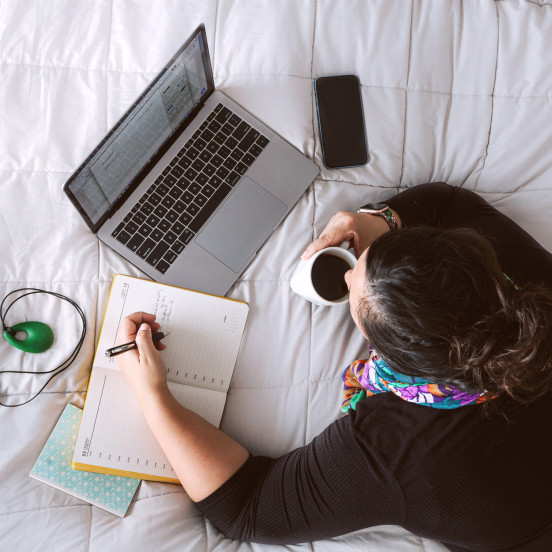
364	378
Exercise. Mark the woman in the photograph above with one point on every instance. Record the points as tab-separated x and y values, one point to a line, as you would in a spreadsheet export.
447	428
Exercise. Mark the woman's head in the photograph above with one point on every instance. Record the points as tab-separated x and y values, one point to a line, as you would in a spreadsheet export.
436	304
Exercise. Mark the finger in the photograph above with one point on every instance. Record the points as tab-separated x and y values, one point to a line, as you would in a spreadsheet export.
130	324
144	342
325	240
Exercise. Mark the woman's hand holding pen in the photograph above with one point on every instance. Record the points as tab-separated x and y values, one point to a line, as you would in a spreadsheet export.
143	368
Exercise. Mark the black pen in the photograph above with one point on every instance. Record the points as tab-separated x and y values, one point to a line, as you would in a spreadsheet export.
114	351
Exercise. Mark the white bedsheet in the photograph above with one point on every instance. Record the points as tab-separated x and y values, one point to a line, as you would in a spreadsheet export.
453	91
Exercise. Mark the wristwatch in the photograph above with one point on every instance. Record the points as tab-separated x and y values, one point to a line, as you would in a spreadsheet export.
383	210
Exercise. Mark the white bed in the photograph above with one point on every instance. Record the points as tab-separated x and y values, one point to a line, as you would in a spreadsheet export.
453	91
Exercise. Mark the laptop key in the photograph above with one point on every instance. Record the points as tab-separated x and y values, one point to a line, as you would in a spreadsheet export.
193	209
248	159
145	249
200	144
183	183
217	160
231	143
214	201
155	199
157	253
123	236
214	127
200	200
185	219
192	153
177	228
227	129
177	171
156	234
162	190
202	178
190	174
234	120
172	216
241	130
170	237
205	156
198	164
194	188
262	141
236	154
222	172
187	236
135	242
147	208
255	150
160	211
185	162
232	178
168	202
178	247
224	151
240	168
218	108
207	135
175	192
213	146
208	190
223	115
170	256
249	139
153	220
145	230
164	225
162	266
209	169
138	218
179	206
118	229
229	163
215	181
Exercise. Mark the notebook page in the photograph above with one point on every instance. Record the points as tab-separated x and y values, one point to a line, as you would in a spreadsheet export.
114	433
205	330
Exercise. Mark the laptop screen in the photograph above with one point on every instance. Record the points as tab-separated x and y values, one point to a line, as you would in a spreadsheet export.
143	133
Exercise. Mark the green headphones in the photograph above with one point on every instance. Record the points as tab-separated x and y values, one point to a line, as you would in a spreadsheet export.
39	336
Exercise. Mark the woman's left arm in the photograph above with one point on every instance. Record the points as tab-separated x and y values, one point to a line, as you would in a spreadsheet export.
202	456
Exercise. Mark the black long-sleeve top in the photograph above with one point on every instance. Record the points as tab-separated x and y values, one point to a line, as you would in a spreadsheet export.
470	481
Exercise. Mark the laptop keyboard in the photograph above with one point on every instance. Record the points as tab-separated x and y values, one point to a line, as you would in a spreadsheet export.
193	185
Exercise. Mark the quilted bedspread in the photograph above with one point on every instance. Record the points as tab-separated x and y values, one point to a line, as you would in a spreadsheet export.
453	91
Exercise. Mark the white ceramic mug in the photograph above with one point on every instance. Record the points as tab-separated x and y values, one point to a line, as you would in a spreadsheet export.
301	281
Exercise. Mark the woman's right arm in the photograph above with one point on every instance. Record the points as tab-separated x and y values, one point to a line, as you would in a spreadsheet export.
311	493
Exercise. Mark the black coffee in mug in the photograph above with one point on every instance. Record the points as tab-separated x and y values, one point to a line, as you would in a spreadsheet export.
328	276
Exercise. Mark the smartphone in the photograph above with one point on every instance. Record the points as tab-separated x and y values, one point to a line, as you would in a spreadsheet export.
341	121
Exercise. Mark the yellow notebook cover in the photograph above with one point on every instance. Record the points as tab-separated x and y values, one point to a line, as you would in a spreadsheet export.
202	348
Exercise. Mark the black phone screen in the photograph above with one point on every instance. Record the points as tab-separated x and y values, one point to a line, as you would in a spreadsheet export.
341	121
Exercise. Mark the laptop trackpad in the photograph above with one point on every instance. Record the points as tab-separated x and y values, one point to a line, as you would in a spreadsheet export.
241	225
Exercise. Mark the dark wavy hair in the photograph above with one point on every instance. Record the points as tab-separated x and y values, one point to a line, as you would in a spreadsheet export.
438	305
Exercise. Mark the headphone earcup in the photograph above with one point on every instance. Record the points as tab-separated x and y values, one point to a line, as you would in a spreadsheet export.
39	336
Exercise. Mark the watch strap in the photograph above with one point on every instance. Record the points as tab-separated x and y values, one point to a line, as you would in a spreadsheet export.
390	218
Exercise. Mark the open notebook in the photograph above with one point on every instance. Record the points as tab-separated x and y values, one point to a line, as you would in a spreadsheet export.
201	353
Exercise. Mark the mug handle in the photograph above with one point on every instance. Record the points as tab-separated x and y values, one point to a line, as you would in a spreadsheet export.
345	244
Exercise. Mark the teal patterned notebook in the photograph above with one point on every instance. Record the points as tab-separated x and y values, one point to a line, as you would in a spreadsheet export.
110	492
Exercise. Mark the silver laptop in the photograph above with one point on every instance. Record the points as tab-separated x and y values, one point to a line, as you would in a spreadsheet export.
187	185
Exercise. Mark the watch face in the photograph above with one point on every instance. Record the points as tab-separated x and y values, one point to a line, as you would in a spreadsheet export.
373	208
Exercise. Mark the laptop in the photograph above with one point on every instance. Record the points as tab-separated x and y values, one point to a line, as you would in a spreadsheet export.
188	185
